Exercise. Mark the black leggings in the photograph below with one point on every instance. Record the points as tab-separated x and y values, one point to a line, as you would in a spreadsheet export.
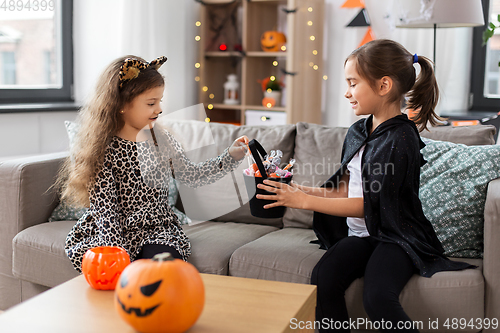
149	250
386	268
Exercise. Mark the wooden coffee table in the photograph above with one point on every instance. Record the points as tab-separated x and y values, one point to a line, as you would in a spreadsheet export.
232	305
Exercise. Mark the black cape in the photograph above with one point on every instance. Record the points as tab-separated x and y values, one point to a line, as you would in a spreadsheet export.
391	177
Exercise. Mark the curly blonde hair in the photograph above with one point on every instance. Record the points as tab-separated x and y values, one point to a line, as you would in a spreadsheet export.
99	120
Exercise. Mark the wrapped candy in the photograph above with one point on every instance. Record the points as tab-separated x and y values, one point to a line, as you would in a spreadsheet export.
271	164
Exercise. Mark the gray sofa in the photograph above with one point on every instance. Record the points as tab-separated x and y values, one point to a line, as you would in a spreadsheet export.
233	242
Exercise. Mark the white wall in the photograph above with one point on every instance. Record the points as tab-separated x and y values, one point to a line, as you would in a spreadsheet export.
33	133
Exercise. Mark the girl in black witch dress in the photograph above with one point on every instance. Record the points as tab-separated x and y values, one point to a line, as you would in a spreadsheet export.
386	238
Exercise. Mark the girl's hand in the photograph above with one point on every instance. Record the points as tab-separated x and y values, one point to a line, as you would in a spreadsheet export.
284	194
239	148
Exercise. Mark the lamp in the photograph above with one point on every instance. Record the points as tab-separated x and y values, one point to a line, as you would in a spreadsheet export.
438	14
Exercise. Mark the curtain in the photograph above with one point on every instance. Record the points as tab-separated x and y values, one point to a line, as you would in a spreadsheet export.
106	30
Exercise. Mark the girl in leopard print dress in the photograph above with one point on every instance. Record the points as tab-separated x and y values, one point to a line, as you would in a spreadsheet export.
120	168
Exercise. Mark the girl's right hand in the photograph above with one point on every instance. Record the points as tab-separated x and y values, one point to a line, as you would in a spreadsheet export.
239	148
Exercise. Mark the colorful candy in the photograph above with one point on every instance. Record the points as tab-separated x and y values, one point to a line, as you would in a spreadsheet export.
271	164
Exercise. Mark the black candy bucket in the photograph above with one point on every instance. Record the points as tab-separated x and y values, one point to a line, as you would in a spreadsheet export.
257	205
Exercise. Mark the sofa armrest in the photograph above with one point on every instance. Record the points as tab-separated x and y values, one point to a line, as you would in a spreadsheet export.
491	258
24	199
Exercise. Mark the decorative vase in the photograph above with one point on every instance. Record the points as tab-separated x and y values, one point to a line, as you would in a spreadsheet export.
270	96
231	90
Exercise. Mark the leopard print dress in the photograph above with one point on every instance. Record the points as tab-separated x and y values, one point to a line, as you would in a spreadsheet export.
129	201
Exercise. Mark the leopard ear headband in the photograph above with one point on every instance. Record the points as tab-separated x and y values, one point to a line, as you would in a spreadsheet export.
131	68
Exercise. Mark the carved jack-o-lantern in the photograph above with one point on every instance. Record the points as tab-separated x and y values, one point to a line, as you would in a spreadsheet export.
103	265
162	295
272	41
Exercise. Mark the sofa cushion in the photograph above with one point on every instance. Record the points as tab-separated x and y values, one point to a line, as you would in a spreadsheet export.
468	135
213	243
225	200
38	254
286	255
453	186
458	294
282	255
317	155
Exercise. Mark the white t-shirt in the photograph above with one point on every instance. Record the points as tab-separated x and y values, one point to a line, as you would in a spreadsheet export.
357	225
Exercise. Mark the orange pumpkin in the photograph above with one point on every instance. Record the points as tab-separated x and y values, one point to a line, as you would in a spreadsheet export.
103	265
272	41
161	295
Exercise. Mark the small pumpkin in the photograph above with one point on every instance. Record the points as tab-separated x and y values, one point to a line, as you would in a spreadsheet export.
103	265
272	41
160	295
268	102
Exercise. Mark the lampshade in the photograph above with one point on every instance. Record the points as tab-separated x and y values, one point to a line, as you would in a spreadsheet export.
438	13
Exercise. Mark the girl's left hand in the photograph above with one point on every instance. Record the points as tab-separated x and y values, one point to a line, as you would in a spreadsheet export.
284	194
239	148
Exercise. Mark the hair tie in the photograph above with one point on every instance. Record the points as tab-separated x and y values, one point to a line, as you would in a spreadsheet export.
131	68
415	58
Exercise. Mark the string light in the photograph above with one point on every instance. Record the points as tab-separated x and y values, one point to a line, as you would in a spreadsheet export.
272	78
283	48
264	118
197	65
315	52
325	77
310	9
309	23
210	106
311	64
205	88
269	105
275	63
269	90
315	67
207	120
198	23
197	38
211	96
197	78
312	38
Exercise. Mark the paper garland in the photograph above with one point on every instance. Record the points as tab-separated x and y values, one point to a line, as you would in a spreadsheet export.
360	20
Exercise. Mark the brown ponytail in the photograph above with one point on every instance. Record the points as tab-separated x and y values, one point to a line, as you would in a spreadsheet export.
385	57
424	95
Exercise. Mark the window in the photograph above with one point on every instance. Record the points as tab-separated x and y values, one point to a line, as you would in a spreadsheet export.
36	63
485	76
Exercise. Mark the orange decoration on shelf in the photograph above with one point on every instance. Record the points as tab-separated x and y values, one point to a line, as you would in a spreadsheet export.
268	102
272	41
103	265
161	295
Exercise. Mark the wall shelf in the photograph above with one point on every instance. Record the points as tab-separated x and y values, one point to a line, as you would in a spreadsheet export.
239	25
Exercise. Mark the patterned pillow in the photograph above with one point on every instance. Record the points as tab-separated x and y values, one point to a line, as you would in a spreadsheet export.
453	186
65	212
